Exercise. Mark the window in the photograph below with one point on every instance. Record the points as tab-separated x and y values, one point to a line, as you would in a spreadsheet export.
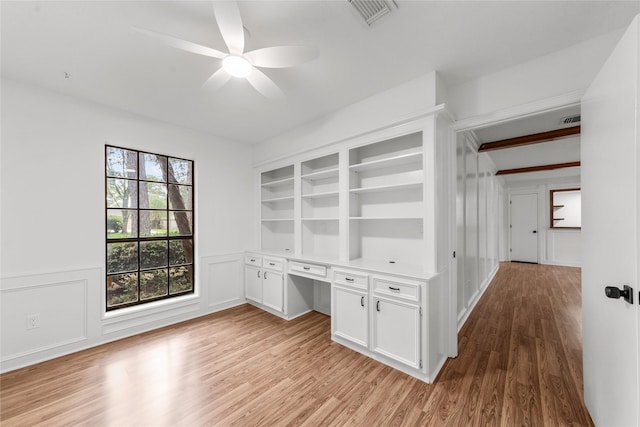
149	227
566	208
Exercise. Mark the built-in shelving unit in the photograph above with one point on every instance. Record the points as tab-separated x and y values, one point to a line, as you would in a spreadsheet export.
386	192
320	195
277	209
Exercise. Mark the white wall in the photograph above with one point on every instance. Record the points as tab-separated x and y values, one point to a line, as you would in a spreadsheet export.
478	221
52	219
555	246
556	74
377	112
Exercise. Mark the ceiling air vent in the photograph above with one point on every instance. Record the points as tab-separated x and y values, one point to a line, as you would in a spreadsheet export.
371	10
570	119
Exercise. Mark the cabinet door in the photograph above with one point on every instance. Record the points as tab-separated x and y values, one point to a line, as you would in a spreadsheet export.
273	290
349	315
253	283
396	331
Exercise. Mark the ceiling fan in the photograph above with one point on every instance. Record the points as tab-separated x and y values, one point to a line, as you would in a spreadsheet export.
236	62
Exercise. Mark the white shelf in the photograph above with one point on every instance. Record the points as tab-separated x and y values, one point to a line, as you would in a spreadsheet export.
276	219
278	183
320	195
392	187
323	174
402	159
277	199
320	219
385	218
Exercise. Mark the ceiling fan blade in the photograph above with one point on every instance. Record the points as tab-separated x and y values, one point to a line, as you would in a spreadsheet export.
217	80
230	23
183	44
281	56
264	84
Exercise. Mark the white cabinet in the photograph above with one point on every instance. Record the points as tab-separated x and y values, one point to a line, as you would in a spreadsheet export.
253	283
264	281
397	319
396	331
273	289
350	307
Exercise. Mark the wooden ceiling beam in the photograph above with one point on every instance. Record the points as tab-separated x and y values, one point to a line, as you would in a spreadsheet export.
535	138
538	168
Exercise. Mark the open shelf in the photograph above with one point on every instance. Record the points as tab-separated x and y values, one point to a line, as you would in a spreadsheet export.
391	187
314	176
321	219
377	218
320	195
402	159
277	199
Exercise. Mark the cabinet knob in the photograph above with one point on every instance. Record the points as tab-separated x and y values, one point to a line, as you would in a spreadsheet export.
362	301
378	305
265	275
258	274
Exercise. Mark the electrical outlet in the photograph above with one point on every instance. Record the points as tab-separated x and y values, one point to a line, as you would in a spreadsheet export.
33	321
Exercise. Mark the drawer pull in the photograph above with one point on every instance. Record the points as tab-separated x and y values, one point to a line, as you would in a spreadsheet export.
394	289
271	264
252	260
362	301
378	305
306	268
349	279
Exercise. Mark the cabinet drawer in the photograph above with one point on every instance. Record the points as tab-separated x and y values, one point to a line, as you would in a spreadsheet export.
313	269
350	278
404	289
253	260
273	264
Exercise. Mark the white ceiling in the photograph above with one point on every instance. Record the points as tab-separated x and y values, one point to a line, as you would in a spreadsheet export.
109	63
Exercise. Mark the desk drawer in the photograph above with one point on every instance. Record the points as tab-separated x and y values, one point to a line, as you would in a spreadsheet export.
253	260
307	268
274	264
407	290
350	278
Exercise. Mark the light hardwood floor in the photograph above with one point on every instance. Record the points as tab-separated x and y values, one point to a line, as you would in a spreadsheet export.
519	363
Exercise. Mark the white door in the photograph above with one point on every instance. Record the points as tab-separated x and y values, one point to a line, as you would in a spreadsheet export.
253	283
396	331
524	227
349	315
610	226
273	290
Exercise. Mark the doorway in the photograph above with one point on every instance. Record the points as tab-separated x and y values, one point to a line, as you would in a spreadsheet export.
523	226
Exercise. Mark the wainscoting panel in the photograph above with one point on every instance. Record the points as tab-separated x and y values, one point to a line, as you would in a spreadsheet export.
58	300
224	280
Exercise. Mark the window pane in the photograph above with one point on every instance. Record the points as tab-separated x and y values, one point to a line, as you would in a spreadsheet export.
122	223
180	252
153	223
122	163
180	197
180	223
122	289
153	195
180	171
180	279
153	167
153	254
153	283
122	193
122	257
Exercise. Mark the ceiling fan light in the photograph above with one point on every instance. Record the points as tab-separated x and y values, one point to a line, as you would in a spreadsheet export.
237	66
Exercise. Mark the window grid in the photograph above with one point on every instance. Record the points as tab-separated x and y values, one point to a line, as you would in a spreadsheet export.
175	221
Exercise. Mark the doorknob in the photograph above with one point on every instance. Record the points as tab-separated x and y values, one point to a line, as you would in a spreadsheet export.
534	231
615	293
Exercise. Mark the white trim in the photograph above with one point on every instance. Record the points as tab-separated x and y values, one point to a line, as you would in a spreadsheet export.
520	111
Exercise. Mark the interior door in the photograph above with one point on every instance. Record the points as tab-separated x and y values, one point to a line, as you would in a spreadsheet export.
524	227
610	197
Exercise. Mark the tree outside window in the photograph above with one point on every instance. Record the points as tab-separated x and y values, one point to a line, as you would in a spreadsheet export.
149	227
